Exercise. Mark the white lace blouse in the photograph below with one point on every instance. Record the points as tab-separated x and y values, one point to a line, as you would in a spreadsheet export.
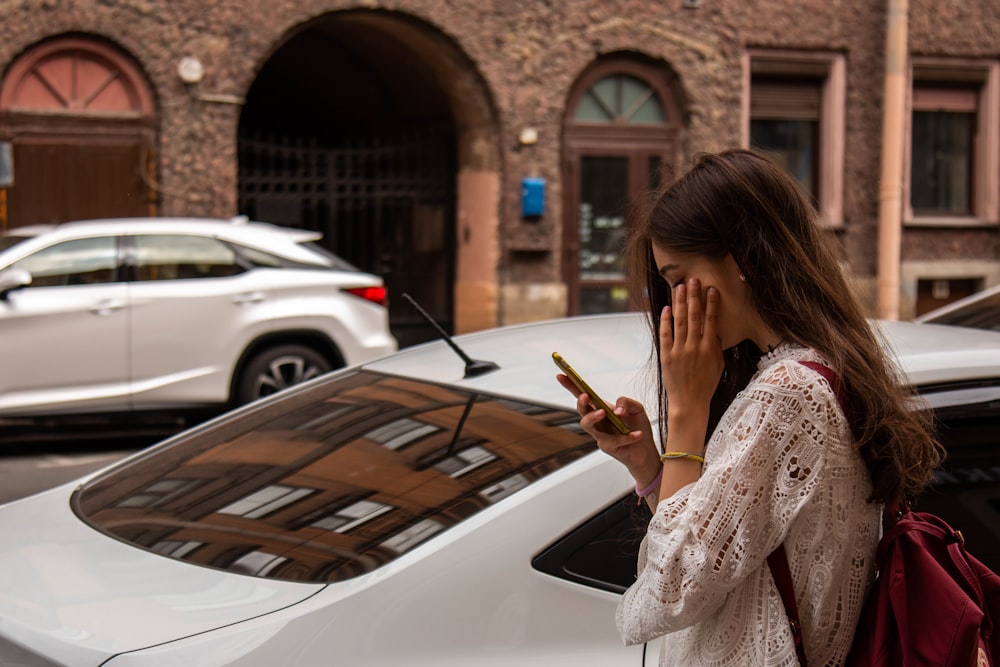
780	468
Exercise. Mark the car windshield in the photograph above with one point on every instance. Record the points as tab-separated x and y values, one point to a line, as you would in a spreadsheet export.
331	481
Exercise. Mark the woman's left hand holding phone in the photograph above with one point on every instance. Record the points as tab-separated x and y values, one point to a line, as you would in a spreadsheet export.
635	450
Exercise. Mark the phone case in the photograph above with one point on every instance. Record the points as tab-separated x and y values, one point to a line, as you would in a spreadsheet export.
582	385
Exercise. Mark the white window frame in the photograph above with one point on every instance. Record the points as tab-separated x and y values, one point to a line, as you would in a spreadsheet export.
985	201
833	93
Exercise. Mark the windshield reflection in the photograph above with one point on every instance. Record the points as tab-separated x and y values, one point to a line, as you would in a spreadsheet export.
335	480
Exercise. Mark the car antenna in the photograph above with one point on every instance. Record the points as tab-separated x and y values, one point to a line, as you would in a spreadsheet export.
473	367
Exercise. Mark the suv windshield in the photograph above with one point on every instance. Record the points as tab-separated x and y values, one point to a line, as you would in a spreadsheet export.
332	481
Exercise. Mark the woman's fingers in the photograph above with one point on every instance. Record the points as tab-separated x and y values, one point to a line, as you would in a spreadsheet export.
680	315
711	315
695	314
666	329
568	384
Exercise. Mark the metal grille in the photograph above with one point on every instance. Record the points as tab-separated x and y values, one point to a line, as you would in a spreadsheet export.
386	206
338	190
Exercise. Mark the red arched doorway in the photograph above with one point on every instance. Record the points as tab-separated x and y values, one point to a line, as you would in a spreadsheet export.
620	139
76	116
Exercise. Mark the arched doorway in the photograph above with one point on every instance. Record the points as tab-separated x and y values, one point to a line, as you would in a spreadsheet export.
77	116
354	127
620	139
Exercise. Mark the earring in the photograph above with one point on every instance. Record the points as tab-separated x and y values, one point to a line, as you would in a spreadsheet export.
743	277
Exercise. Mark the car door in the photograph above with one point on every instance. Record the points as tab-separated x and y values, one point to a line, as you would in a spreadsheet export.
193	304
63	338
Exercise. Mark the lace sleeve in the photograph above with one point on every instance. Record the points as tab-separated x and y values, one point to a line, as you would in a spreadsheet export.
763	463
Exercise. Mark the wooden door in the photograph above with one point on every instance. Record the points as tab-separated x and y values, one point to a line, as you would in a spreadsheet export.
57	182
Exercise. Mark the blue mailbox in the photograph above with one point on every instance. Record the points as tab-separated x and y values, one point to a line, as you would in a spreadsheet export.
532	197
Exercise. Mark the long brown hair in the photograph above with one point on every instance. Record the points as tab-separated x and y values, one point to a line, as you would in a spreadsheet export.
739	203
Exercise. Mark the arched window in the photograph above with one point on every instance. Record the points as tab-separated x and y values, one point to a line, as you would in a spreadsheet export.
76	76
620	98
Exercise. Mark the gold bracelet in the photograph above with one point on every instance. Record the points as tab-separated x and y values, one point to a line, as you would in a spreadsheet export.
681	455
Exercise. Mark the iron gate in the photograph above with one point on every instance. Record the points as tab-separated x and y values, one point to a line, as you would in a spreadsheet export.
385	206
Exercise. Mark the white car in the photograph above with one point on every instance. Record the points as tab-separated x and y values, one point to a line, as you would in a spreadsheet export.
155	313
425	509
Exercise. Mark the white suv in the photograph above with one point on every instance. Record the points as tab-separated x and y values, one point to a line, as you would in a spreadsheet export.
159	313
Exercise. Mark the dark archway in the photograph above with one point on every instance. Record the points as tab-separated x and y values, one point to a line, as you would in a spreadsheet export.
348	129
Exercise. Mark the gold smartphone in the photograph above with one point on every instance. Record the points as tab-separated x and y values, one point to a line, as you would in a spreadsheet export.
585	388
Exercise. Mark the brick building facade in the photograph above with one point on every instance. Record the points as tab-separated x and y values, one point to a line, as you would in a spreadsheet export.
404	129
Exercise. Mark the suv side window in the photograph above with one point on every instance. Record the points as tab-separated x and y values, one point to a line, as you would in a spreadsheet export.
78	262
181	257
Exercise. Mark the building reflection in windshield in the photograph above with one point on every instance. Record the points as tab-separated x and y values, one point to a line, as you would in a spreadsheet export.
332	482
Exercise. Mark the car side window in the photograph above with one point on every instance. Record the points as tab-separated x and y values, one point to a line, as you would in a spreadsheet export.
602	552
78	262
182	257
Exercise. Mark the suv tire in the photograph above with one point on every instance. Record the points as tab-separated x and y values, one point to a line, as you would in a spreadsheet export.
277	368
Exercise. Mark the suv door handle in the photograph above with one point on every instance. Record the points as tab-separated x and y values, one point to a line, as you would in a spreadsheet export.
107	306
249	298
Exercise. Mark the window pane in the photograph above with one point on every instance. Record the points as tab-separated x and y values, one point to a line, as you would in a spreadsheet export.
792	144
606	92
620	98
941	166
639	103
590	110
175	257
651	113
596	300
79	262
603	196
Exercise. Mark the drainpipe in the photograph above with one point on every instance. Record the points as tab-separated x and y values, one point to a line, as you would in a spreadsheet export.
890	230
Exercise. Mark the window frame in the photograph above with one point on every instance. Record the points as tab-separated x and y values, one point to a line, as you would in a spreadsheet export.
926	73
831	69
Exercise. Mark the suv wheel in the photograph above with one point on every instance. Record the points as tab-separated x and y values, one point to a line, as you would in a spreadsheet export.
276	368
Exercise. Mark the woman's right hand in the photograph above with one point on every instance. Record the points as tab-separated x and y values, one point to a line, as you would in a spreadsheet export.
636	450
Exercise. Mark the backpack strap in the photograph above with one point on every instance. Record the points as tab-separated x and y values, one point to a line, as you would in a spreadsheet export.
782	575
777	560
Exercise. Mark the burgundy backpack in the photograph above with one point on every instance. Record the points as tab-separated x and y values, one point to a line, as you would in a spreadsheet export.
932	603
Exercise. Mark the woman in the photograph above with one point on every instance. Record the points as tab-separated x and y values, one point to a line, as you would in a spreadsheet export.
741	288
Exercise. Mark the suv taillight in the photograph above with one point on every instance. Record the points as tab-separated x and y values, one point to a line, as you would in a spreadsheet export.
377	295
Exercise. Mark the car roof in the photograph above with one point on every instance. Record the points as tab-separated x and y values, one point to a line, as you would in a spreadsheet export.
271	238
613	353
609	351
